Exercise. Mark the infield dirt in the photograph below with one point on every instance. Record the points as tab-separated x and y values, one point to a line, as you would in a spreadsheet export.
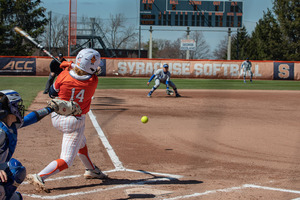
214	139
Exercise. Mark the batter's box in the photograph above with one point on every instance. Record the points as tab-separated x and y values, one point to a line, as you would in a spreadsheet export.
145	180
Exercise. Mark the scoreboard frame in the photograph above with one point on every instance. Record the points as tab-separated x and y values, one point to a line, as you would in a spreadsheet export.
191	13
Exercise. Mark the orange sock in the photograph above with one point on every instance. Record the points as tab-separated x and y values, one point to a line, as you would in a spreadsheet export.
84	157
53	168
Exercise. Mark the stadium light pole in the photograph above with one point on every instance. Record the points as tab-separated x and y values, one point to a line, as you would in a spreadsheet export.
229	45
50	19
188	37
150	43
69	29
237	45
140	41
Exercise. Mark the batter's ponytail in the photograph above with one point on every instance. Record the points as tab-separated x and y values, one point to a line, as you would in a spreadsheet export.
80	72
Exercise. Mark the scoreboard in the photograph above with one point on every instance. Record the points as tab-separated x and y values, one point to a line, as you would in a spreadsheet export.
192	13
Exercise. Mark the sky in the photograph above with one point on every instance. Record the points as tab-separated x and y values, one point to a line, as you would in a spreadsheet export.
253	11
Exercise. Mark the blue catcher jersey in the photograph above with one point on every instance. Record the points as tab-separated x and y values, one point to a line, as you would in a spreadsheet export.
8	145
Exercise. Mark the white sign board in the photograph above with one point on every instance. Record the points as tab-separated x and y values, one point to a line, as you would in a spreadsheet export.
188	45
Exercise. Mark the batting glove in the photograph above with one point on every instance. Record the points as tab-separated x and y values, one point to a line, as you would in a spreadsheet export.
66	64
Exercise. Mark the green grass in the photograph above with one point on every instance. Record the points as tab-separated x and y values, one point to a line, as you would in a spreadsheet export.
140	83
28	87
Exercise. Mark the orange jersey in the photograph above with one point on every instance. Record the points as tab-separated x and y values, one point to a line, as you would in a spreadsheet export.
71	89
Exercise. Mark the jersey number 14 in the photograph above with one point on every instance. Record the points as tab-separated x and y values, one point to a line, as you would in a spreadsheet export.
79	96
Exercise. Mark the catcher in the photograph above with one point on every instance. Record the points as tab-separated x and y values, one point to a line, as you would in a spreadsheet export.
163	76
77	83
12	172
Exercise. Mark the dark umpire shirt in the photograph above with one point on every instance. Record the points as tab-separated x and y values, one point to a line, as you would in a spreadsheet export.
54	67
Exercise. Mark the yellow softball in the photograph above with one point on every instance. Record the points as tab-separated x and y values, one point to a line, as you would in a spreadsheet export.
144	119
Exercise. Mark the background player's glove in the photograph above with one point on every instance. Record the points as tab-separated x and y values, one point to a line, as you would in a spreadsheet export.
66	64
64	107
169	92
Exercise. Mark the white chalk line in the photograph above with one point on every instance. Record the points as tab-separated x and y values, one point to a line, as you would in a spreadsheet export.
139	183
271	188
205	193
168	176
113	156
118	167
233	189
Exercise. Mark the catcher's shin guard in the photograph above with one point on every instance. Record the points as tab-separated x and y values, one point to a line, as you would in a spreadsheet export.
16	174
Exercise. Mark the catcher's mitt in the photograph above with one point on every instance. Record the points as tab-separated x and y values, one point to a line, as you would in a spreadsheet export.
63	107
169	92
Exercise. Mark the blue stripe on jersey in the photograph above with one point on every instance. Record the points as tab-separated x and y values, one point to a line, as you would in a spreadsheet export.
151	78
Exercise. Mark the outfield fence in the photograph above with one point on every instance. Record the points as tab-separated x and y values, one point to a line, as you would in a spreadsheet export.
130	67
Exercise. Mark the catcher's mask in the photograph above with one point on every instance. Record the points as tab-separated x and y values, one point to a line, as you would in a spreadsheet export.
11	103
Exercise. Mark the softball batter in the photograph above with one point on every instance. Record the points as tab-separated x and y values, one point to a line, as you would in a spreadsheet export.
77	84
162	76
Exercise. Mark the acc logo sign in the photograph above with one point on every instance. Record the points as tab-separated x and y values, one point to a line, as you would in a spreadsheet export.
283	71
17	66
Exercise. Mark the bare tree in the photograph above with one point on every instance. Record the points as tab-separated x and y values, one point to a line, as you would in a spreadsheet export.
169	49
59	35
119	33
221	51
202	48
115	33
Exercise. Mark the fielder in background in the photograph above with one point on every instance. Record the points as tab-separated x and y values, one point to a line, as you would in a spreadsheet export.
55	70
247	67
163	76
12	172
78	83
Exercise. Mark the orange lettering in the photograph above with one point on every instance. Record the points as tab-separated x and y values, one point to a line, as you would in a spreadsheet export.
28	63
284	71
10	65
173	1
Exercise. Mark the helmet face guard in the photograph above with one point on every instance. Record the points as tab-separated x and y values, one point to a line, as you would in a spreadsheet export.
12	103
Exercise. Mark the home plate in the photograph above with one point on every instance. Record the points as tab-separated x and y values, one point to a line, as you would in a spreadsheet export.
146	192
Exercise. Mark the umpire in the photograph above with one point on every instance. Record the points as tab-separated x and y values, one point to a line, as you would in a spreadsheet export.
54	71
